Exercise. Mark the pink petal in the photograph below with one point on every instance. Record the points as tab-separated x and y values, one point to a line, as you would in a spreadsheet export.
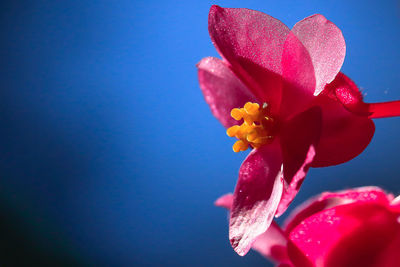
222	90
395	205
367	231
344	135
361	194
328	200
396	201
256	197
252	42
298	75
390	257
299	138
272	244
326	46
347	235
225	201
297	257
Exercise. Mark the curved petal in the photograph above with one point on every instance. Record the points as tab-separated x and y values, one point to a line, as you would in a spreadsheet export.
299	138
344	135
256	197
328	200
222	90
275	245
370	230
326	46
298	76
361	195
356	232
252	42
272	244
395	205
396	201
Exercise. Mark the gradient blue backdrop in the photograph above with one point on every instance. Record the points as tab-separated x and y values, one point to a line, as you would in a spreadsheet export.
108	151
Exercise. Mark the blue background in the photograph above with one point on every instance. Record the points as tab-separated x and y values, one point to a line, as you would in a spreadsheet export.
109	153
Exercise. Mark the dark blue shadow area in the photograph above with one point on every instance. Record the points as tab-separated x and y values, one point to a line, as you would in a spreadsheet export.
108	152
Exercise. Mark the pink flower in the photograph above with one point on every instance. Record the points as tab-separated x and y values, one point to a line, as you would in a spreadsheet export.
298	109
358	227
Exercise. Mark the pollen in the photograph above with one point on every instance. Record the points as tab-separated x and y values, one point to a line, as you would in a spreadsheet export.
256	129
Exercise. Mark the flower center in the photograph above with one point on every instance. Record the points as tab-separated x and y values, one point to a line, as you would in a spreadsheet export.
256	129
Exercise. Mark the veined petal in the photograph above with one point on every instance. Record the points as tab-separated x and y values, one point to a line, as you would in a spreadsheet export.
240	33
344	134
299	138
252	42
328	200
222	90
298	76
271	244
256	197
326	46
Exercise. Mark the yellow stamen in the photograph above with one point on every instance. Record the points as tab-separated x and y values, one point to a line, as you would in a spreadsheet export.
240	145
251	108
236	114
231	132
255	129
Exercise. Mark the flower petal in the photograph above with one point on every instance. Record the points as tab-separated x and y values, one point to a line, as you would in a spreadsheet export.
366	232
275	245
298	76
328	200
344	135
252	42
395	205
390	257
326	46
225	201
396	201
256	197
222	90
346	235
272	244
299	138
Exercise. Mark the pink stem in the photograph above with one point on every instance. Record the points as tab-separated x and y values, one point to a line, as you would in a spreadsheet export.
384	109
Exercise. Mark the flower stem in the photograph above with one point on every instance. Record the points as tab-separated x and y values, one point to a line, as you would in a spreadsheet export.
384	109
